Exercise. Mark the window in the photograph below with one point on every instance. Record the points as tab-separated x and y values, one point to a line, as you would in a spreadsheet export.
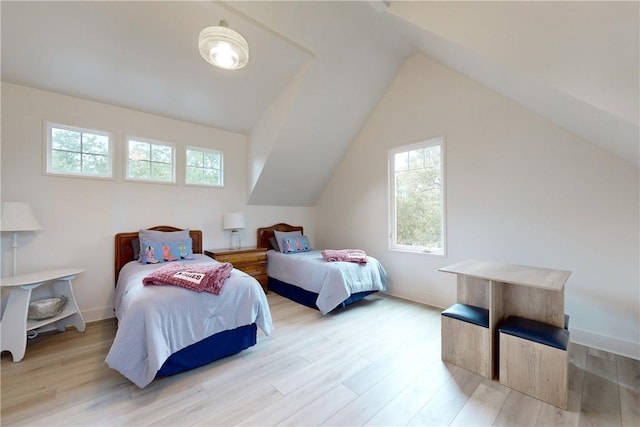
77	151
204	167
150	160
417	195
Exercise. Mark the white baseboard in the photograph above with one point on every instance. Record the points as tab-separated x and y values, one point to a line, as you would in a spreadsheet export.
438	303
604	342
100	313
579	336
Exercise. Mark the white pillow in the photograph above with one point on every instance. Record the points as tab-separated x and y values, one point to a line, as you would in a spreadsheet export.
282	234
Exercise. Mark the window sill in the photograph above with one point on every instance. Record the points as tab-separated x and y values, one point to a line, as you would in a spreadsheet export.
420	251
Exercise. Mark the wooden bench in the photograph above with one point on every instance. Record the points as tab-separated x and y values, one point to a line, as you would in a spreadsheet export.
466	340
534	359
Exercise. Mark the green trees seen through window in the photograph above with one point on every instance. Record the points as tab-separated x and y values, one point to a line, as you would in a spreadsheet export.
84	152
418	198
204	166
152	161
75	151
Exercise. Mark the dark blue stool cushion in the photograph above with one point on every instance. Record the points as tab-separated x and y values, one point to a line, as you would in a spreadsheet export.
535	331
468	313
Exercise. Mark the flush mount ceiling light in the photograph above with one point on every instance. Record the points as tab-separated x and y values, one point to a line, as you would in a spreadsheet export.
224	48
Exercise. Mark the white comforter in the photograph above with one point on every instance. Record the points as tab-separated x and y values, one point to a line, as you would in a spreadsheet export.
157	321
332	281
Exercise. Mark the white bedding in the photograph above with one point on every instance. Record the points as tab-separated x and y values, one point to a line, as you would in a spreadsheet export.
157	321
334	282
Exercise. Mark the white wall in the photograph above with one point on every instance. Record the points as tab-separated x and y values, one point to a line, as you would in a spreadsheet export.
81	216
519	190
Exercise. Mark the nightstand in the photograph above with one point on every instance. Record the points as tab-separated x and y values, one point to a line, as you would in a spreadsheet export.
252	261
15	322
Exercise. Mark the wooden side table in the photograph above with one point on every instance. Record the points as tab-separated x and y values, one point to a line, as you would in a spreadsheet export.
252	261
15	324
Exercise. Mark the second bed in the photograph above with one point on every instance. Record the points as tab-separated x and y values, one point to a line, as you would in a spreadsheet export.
305	277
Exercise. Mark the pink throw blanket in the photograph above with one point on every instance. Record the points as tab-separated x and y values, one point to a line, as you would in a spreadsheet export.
199	278
350	255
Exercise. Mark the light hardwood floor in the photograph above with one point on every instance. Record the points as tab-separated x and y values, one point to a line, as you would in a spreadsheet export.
375	363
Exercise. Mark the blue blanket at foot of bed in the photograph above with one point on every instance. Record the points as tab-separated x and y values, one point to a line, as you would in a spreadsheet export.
215	347
308	298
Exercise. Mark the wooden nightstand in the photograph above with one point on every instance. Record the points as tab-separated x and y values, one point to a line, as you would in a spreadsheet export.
252	261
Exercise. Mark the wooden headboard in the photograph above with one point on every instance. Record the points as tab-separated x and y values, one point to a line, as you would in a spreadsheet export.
264	234
124	250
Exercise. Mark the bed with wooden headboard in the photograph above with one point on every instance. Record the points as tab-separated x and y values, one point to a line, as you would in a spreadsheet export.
164	330
266	233
309	280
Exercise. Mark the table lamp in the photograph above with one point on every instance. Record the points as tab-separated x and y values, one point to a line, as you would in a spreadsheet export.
233	221
17	216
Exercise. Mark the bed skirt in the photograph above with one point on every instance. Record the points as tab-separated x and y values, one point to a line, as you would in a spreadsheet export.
215	347
308	298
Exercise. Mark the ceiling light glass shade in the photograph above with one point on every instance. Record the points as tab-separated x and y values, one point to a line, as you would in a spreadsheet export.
223	47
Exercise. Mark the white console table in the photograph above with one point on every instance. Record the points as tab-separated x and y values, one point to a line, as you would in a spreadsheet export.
15	324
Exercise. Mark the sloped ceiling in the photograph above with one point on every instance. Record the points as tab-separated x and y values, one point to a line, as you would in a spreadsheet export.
144	55
355	58
317	69
574	63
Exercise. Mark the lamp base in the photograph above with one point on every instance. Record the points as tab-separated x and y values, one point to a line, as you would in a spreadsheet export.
234	243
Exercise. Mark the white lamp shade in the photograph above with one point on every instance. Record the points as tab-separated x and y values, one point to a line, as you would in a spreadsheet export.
233	221
18	216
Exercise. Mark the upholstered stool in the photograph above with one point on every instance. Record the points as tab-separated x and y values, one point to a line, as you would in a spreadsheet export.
534	359
466	341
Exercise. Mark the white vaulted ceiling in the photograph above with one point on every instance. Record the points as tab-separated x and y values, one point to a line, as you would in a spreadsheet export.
143	55
318	69
575	63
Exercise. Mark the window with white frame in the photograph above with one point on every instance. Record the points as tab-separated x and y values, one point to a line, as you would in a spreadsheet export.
204	167
79	152
149	160
417	197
